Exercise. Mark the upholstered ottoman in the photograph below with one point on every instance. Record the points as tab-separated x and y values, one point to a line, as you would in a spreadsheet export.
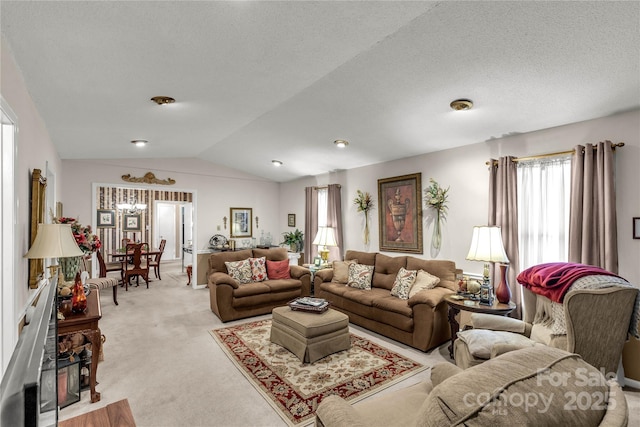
310	336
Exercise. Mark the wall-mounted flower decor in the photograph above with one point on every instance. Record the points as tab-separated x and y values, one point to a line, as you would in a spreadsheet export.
435	197
364	202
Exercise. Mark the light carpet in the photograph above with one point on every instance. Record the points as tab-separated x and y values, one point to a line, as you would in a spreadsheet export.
295	389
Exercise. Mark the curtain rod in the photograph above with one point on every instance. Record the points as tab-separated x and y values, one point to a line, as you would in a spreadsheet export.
559	153
322	187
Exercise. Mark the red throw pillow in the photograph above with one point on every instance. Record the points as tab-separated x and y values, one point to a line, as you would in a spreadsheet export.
278	269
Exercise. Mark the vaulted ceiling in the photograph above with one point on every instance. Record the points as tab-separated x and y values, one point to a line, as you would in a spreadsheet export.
257	81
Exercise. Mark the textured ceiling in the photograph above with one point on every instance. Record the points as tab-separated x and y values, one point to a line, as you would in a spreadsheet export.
256	81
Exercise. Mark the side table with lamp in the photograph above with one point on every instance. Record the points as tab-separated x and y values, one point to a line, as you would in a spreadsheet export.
325	237
487	246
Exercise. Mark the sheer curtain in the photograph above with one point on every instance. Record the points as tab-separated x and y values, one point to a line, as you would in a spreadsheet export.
544	186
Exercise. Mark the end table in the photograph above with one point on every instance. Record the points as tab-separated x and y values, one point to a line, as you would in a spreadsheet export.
457	303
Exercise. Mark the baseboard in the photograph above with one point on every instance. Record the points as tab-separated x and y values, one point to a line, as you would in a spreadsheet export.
631	383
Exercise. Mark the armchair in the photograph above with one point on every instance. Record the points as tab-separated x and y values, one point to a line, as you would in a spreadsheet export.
596	320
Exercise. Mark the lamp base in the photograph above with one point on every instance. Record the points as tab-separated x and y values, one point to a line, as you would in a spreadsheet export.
503	293
324	254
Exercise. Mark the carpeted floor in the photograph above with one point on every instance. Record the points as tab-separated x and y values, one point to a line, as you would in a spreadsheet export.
295	389
160	356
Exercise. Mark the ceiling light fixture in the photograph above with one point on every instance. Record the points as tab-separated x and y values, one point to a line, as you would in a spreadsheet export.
341	143
140	142
162	100
461	104
276	163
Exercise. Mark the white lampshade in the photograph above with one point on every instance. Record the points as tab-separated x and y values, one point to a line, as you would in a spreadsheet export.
325	237
54	241
486	245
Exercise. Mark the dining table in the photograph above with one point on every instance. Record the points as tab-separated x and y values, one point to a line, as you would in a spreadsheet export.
119	254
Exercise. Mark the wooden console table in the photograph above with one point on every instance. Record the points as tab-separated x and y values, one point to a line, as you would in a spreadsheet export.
87	324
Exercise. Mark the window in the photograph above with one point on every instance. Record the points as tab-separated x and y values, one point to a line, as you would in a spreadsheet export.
544	187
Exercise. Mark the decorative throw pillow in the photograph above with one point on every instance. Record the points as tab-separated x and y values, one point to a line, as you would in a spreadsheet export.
278	269
341	271
423	281
258	269
360	276
239	270
403	283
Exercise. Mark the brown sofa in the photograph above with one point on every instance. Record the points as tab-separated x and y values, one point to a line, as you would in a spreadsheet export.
231	300
421	321
536	386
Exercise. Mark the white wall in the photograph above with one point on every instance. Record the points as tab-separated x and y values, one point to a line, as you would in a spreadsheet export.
216	189
35	149
465	172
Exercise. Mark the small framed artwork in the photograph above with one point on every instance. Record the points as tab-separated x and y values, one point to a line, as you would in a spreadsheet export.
106	218
317	261
291	220
131	222
636	228
241	223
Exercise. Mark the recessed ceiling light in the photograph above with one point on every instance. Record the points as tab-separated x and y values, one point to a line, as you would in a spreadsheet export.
140	142
276	163
162	100
461	104
341	143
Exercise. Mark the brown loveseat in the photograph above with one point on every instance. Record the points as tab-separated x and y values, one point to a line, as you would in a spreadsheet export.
519	388
231	300
420	321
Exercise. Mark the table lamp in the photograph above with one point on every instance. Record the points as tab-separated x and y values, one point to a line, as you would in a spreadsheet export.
486	245
325	237
54	241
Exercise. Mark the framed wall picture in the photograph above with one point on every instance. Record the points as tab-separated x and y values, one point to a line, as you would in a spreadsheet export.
291	220
241	223
106	218
400	213
131	222
636	228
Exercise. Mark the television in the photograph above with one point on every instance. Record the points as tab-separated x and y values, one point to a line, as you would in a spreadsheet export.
29	390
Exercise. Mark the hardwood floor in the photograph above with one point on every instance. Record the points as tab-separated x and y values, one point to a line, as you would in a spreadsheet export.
115	414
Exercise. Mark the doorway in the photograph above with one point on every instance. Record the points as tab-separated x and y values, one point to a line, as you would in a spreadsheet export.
174	223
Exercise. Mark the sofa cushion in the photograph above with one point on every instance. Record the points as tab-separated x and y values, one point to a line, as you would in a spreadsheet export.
368	258
253	288
500	392
341	271
393	304
405	280
387	269
423	282
258	269
217	259
273	254
239	270
360	276
445	270
282	285
278	269
481	341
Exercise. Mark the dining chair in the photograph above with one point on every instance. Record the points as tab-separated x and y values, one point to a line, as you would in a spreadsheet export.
124	242
108	268
155	263
138	265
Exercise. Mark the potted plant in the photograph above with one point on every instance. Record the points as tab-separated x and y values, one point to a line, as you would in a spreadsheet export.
294	239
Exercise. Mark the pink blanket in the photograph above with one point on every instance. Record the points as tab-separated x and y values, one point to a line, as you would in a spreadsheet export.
554	279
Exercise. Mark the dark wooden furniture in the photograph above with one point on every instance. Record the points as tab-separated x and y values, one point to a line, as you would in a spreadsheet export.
109	268
116	414
137	265
455	305
87	324
155	262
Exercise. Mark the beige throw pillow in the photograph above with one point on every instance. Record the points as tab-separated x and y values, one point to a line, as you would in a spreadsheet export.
423	281
403	283
239	270
360	276
341	271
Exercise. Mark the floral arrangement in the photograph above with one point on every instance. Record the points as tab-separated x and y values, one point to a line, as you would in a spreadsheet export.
84	236
436	198
364	202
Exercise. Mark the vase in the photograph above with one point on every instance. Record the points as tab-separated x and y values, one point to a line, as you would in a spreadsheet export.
365	236
503	293
69	267
436	239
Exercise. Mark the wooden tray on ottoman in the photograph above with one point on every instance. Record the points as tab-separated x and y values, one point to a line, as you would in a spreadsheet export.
296	306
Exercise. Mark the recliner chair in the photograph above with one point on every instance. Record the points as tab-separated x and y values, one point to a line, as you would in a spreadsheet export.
597	325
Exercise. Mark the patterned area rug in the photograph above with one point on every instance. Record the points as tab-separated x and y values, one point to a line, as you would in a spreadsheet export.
295	389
